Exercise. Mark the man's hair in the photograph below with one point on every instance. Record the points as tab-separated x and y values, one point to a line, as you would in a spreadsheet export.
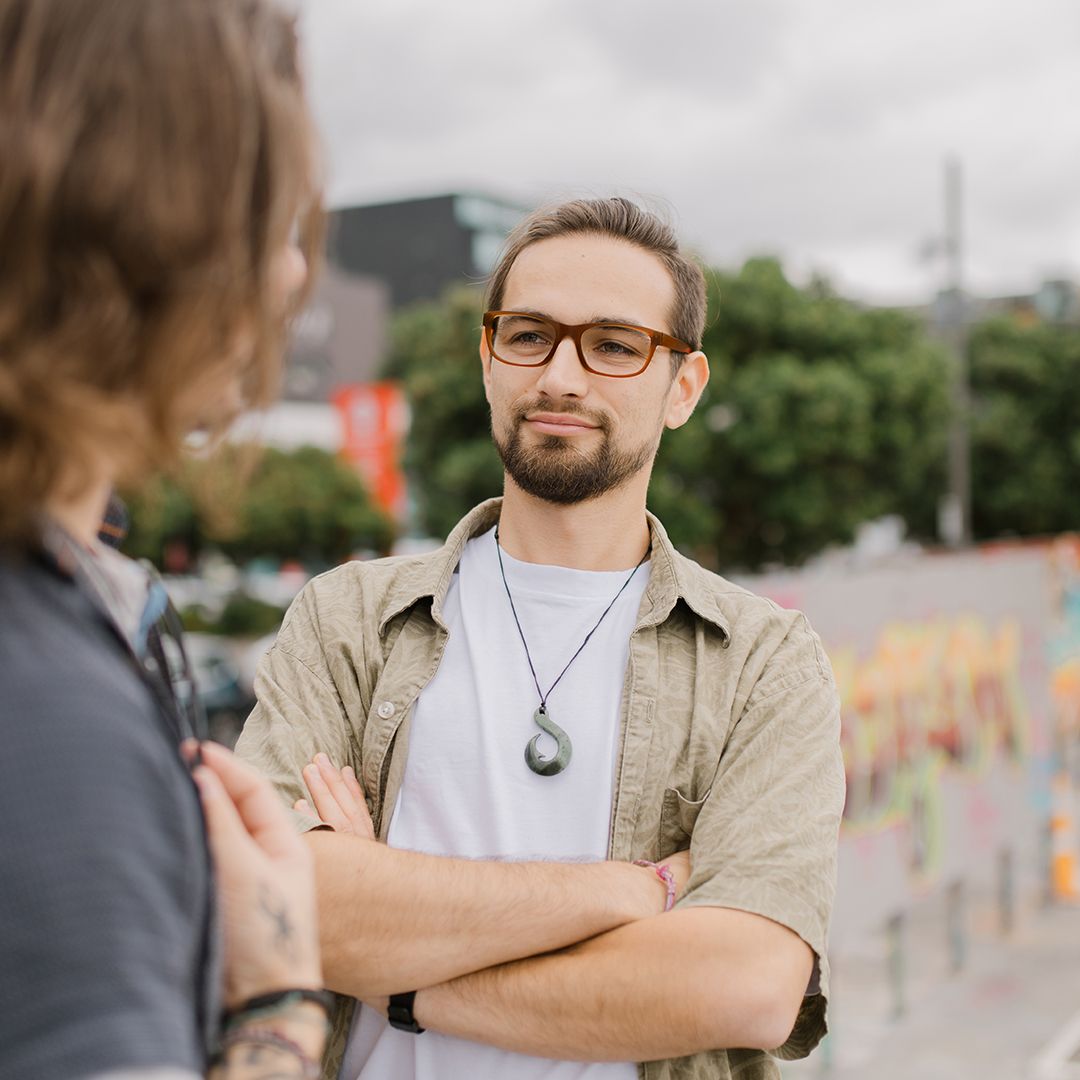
154	158
622	219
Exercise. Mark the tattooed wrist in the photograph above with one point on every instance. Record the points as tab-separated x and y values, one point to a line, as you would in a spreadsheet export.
274	909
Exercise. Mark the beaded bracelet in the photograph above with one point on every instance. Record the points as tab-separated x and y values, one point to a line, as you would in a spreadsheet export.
310	1068
663	872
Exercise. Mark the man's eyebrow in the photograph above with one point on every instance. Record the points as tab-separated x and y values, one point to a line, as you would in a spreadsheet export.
606	320
622	320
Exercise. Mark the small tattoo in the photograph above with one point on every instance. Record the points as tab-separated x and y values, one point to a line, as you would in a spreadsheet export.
276	910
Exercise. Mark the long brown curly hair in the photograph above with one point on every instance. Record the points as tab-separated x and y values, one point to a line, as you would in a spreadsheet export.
155	156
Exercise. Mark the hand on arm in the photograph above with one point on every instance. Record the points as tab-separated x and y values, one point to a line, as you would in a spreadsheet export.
266	890
397	920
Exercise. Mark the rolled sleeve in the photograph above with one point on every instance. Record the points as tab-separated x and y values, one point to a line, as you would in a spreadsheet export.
299	713
765	840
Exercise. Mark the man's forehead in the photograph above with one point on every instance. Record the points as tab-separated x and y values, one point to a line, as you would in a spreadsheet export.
580	277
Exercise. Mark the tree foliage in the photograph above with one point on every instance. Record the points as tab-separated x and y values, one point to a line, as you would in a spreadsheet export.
450	458
1025	429
306	504
819	415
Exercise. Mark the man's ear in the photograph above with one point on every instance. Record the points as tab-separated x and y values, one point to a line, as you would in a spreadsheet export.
485	365
686	389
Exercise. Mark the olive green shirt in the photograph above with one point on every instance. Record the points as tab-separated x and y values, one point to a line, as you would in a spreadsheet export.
729	742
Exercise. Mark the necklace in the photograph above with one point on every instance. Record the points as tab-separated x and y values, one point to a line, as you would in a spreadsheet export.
561	758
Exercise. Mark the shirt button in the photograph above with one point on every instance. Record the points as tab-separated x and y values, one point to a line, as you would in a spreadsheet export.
386	710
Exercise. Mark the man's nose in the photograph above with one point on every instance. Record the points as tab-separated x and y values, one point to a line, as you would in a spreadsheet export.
563	375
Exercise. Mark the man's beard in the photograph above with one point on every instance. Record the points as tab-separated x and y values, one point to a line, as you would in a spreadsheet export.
557	470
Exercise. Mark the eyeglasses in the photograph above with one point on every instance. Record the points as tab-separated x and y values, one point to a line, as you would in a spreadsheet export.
616	350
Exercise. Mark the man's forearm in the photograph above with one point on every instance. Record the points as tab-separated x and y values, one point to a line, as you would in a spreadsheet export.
396	920
688	981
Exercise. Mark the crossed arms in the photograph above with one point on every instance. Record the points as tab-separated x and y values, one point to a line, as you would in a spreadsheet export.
557	960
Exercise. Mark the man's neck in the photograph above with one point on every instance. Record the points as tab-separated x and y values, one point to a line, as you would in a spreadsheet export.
607	533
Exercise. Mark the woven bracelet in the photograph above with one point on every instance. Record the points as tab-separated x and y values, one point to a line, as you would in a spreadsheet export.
310	1068
663	872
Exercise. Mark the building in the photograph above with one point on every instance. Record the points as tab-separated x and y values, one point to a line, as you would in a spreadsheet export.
340	337
419	247
380	258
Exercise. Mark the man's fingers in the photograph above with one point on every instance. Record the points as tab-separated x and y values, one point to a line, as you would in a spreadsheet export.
258	808
334	780
327	806
361	815
353	784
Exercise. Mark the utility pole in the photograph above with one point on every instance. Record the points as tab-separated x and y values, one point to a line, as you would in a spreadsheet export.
954	512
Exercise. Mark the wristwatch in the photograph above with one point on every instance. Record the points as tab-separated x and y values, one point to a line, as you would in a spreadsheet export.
400	1013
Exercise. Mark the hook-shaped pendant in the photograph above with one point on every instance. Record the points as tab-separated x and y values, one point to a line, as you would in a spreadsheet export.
548	766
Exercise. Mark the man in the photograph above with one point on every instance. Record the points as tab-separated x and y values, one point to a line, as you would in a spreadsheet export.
673	710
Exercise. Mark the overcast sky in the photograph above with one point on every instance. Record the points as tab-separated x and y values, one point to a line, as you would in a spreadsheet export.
812	129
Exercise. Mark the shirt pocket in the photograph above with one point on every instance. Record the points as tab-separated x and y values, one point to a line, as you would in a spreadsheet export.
677	818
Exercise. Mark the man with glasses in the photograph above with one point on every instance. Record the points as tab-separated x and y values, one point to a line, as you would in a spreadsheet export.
608	782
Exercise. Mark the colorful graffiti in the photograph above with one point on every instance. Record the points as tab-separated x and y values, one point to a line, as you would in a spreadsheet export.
940	694
1064	654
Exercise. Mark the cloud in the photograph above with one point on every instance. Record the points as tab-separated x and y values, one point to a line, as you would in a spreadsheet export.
816	131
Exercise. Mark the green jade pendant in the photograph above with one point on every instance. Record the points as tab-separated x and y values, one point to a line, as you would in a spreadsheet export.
553	765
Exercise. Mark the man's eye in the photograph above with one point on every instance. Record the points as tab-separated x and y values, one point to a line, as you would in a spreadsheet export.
616	348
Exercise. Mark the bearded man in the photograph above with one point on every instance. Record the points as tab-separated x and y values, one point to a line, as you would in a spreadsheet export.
573	799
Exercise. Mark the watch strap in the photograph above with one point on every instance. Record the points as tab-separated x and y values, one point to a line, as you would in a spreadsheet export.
400	1013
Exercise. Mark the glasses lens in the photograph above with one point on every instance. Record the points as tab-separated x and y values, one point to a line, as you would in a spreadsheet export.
519	339
616	350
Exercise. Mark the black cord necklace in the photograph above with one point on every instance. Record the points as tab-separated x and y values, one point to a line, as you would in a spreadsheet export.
541	765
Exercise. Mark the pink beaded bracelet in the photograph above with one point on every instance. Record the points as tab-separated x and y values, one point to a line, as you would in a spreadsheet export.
663	872
254	1036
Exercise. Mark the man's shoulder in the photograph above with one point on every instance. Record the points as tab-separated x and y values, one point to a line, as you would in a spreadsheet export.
363	594
745	616
57	655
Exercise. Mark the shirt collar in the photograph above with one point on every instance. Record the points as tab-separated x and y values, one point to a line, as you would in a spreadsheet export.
673	577
122	589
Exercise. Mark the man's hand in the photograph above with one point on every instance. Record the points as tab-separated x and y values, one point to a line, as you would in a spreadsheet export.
264	879
338	798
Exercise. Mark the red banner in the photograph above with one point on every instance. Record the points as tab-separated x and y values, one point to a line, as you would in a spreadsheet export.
375	420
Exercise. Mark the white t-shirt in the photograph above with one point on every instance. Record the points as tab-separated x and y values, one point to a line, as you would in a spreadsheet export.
467	791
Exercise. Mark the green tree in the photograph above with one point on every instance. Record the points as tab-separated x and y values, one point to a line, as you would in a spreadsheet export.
161	512
451	461
819	415
306	504
1025	429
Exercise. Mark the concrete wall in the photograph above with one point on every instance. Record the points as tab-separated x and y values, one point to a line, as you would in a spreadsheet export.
960	683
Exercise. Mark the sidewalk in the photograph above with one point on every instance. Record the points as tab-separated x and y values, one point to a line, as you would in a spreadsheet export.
993	1021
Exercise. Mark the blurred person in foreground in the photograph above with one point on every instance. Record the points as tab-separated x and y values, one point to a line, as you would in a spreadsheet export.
154	158
550	699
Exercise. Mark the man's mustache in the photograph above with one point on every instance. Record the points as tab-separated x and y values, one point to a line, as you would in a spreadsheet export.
597	419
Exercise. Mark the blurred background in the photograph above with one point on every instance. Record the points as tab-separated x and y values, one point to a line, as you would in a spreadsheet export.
887	197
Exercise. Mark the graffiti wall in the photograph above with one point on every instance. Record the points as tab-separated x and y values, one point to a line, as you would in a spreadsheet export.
959	678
